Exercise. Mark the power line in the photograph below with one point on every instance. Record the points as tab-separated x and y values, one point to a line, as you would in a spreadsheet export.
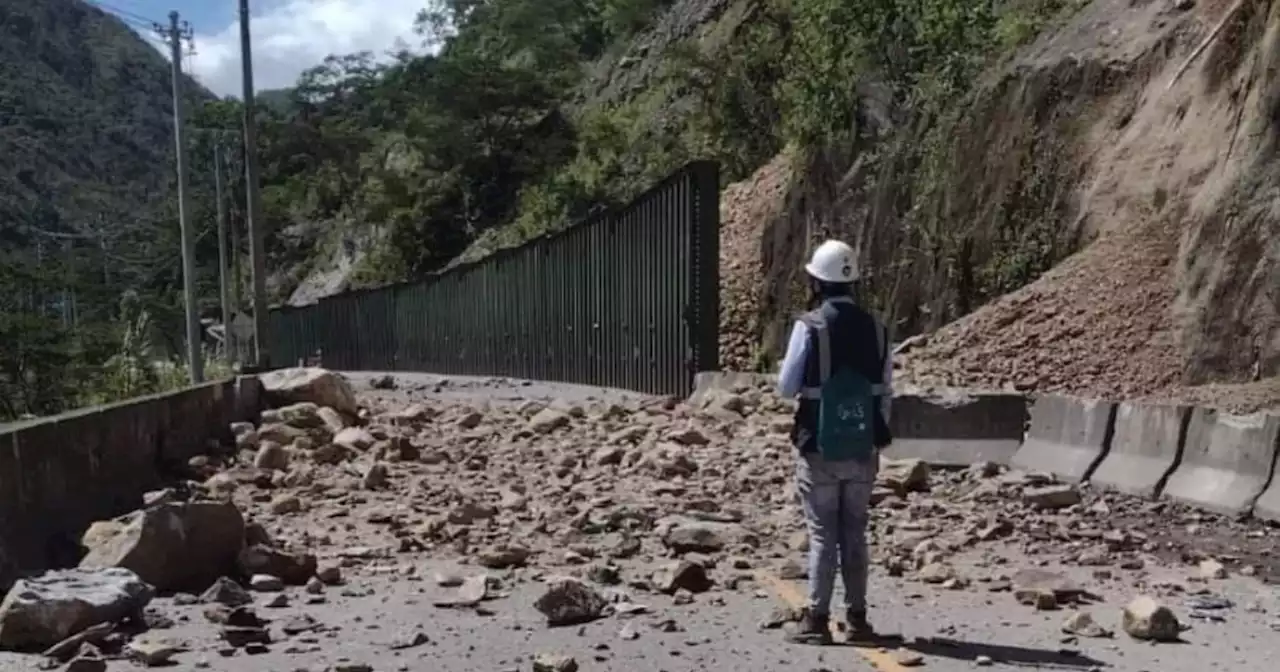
132	18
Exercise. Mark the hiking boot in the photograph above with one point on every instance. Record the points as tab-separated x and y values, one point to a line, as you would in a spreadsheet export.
859	627
812	629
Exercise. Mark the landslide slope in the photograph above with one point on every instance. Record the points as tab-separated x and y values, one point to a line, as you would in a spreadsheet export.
1173	150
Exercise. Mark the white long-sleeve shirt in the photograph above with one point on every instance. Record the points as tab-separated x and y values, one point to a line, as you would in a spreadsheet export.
791	375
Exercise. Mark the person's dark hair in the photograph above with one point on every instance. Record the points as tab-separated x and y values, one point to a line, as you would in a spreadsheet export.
820	291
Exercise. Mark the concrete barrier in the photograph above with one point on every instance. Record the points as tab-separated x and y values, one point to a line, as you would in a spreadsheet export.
1227	461
955	428
1068	437
1268	505
1146	447
61	473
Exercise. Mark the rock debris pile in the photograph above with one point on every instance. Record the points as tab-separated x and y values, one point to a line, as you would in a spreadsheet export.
608	508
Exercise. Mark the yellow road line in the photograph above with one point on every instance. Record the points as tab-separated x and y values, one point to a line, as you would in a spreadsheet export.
882	660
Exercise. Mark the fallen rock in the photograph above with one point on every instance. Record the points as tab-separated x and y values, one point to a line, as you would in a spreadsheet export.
503	557
568	601
547	662
908	658
151	652
304	415
173	546
375	476
42	611
282	505
694	538
318	386
244	636
1082	624
1042	600
331	453
936	572
355	438
1052	497
1063	589
685	575
265	583
474	589
548	420
688	436
333	420
291	568
903	476
70	646
1145	618
329	574
271	456
281	433
1212	569
226	592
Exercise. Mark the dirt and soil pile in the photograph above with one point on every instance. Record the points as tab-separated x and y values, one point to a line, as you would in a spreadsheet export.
1147	153
604	506
745	208
1182	285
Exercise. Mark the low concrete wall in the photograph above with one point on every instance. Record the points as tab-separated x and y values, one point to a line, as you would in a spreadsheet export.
1227	461
957	428
59	474
1146	447
1068	437
1268	505
947	428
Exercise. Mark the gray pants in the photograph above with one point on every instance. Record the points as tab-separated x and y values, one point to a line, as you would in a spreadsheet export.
836	497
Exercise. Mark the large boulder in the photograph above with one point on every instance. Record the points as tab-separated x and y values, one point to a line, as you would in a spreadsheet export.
40	612
318	386
172	546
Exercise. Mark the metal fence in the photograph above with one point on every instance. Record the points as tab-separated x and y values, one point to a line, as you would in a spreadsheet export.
628	299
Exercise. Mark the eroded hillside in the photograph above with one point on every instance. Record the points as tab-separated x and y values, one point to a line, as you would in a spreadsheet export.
1105	142
1182	285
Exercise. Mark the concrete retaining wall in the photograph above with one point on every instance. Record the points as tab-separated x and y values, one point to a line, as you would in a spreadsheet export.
59	474
958	429
1067	438
1227	461
1146	447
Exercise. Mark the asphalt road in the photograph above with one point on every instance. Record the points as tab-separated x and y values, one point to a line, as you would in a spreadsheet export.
385	618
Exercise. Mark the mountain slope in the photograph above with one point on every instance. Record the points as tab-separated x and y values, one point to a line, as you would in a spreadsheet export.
87	195
85	113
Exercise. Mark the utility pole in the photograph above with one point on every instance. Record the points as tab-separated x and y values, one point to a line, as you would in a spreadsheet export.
175	33
253	213
227	350
234	225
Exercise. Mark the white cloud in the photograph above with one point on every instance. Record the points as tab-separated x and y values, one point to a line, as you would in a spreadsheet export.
291	36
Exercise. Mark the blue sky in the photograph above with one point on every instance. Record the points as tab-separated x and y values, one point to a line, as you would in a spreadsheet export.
289	36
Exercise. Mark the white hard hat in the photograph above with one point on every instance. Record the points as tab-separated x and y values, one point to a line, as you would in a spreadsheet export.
834	262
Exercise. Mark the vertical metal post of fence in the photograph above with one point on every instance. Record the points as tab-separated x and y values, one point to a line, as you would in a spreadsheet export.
705	260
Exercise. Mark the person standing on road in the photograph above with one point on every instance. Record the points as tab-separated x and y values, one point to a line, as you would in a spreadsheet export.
838	364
